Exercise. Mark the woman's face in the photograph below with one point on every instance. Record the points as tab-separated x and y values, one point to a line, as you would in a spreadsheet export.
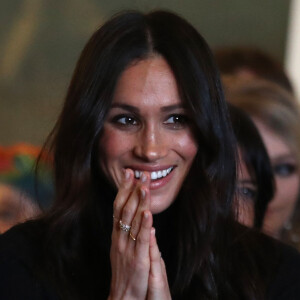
245	194
148	129
286	174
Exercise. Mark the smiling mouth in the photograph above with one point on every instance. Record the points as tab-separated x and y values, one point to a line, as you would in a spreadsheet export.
155	175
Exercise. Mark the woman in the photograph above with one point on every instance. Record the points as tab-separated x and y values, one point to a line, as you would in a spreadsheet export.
276	115
145	176
255	181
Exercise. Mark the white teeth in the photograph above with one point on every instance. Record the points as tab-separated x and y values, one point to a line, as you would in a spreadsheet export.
154	175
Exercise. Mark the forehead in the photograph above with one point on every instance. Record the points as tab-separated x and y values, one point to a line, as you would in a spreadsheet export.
275	144
148	82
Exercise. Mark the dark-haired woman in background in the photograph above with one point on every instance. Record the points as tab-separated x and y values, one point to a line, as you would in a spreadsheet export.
144	162
255	181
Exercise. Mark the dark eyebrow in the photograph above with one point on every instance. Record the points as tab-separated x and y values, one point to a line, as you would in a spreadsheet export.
136	110
125	107
172	107
280	158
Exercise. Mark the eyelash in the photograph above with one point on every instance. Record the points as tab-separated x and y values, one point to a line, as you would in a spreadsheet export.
284	169
128	120
247	193
179	121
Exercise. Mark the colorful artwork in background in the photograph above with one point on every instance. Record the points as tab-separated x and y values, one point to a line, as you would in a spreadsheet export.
24	193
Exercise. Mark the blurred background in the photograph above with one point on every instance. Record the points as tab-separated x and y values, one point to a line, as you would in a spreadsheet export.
41	40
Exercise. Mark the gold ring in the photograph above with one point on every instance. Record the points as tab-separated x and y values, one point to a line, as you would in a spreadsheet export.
131	236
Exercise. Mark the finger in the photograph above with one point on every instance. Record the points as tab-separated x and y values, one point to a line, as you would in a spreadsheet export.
129	209
132	209
163	268
124	192
144	204
155	258
143	237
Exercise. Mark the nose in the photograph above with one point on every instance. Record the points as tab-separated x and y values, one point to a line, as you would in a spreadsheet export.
151	144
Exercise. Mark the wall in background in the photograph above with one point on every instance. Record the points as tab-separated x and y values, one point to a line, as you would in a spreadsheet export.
40	42
292	57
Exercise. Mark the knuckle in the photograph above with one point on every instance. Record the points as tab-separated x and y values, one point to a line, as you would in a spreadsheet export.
159	283
127	212
119	248
140	265
116	206
143	238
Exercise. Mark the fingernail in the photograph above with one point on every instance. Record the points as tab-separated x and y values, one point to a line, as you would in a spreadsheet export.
153	231
146	214
127	174
143	192
144	177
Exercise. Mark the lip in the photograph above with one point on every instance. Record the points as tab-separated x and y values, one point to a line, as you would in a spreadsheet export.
158	183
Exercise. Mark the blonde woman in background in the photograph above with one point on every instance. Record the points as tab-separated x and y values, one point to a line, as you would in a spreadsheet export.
276	114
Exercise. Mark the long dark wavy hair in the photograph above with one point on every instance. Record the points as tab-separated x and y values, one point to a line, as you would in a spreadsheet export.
209	245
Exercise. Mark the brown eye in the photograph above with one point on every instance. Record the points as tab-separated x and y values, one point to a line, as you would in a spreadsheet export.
125	120
177	121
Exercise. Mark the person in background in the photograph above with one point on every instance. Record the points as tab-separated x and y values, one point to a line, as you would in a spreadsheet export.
250	62
255	181
23	195
276	114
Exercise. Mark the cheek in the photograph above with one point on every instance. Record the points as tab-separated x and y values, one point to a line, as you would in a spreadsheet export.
112	145
187	147
287	190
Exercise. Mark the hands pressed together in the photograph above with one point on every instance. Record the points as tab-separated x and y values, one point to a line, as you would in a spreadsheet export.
138	271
